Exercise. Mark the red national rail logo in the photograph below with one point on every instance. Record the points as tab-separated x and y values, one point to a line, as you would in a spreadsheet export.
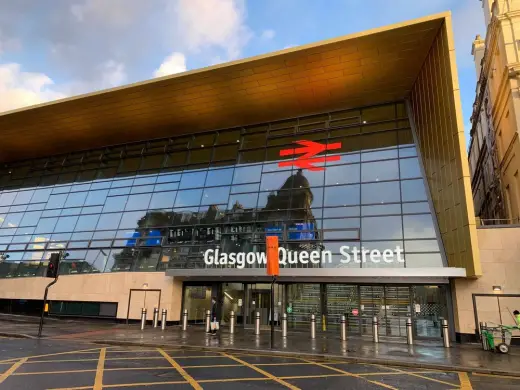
309	150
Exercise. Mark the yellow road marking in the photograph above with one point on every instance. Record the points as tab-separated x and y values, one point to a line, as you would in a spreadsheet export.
214	366
419	376
496	376
144	384
233	380
52	372
181	371
52	354
265	373
355	375
95	360
313	376
129	350
195	357
98	383
284	364
465	383
11	370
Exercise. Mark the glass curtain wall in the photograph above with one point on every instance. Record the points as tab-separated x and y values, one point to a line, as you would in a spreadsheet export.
161	204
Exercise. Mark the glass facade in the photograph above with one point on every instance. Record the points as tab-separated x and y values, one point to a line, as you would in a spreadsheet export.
161	204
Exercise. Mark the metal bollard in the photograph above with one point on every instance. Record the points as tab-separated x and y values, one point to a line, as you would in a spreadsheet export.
409	332
257	323
284	325
143	318
313	326
208	320
445	334
375	329
343	328
232	322
163	319
185	319
155	317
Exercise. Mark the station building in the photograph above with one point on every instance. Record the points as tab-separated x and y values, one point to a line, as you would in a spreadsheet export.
350	150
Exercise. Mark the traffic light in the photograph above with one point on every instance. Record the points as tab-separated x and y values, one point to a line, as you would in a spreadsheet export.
54	263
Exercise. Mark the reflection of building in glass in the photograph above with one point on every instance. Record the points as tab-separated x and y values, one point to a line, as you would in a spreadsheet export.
287	214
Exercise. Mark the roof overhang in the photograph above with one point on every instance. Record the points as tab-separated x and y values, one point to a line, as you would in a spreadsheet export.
365	68
437	275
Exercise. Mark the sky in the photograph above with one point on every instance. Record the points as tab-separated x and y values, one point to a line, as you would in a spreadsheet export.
55	49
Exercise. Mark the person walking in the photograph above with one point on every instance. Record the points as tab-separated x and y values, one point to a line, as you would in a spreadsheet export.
214	323
517	317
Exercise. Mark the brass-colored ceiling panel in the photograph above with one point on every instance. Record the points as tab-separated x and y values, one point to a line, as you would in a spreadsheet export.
364	68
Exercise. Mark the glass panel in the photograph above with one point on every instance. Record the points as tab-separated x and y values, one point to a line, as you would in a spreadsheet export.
381	228
115	203
413	190
342	174
410	168
423	260
56	201
216	195
193	179
138	202
66	224
163	200
342	195
387	192
87	222
219	177
248	174
377	171
418	226
188	198
422	246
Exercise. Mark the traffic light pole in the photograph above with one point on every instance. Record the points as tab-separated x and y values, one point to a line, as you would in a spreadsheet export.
44	304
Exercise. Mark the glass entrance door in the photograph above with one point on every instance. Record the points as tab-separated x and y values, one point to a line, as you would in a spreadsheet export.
197	299
259	299
429	307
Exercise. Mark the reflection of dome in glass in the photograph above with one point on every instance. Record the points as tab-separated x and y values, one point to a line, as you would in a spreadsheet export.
296	181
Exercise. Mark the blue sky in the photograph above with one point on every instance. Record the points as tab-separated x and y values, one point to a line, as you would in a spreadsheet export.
59	48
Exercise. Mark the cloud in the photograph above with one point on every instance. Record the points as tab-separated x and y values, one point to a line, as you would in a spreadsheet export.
19	88
87	45
211	24
175	63
268	34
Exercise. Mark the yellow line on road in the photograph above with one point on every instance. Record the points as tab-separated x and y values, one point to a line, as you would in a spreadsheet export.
98	383
354	375
51	372
418	375
265	373
283	364
214	366
184	374
95	360
144	384
233	380
465	383
11	370
53	354
313	376
496	376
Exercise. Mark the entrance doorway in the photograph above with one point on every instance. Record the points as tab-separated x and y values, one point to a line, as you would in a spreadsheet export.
259	300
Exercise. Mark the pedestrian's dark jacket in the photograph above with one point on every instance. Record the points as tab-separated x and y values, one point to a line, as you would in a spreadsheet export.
213	311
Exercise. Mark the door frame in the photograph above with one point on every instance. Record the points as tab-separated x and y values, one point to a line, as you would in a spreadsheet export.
142	289
475	312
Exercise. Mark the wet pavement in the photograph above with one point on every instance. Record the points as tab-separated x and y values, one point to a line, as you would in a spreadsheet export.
59	364
431	355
